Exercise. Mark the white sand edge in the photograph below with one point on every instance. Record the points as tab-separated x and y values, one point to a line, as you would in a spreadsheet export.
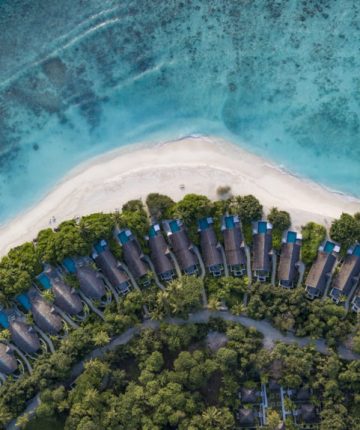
201	164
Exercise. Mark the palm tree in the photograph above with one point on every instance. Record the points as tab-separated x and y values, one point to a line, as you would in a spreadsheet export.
162	301
23	421
212	417
238	309
101	338
5	334
214	304
48	295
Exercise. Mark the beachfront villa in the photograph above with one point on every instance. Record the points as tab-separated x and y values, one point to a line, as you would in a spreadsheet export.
93	284
65	297
90	281
22	334
8	362
321	270
133	256
160	254
289	258
234	245
247	418
111	268
181	245
210	247
348	277
44	314
262	250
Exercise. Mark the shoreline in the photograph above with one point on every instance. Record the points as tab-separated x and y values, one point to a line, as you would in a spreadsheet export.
200	163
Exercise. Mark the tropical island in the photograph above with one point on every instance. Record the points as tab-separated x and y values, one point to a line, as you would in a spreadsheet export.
195	314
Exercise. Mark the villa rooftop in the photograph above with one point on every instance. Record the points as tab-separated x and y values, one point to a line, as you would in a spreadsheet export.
8	363
132	253
289	257
233	244
319	273
109	266
181	245
159	254
210	247
44	314
90	282
24	336
348	275
262	246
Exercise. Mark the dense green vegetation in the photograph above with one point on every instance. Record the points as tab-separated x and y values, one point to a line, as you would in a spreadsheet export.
281	221
177	377
249	209
313	234
288	311
170	378
162	379
159	206
346	231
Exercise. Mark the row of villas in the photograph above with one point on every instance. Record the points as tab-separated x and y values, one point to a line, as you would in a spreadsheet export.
168	259
328	272
294	405
171	254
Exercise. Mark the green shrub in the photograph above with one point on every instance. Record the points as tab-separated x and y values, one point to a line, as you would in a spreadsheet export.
313	234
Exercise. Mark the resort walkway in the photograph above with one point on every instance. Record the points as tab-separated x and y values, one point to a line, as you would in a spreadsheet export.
270	333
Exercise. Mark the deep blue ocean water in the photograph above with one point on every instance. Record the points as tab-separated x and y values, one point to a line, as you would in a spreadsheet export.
78	78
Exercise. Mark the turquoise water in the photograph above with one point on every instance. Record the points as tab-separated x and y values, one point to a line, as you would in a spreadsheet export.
44	281
174	227
69	265
23	299
229	222
262	227
4	322
329	246
123	237
291	237
203	223
79	78
357	251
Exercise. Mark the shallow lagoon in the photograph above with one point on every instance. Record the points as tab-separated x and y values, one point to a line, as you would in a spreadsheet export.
279	78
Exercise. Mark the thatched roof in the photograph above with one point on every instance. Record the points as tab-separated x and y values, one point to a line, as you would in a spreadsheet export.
44	314
246	417
159	254
8	363
322	266
303	394
24	336
235	253
90	282
290	255
307	413
108	264
262	244
248	395
209	248
66	298
133	258
182	248
349	270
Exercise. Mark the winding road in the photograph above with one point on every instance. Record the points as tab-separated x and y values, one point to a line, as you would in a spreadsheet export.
271	335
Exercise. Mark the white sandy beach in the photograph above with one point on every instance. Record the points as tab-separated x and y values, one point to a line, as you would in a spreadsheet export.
200	164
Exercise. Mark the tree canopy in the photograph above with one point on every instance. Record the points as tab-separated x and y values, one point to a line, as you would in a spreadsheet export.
313	235
281	221
346	231
159	206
